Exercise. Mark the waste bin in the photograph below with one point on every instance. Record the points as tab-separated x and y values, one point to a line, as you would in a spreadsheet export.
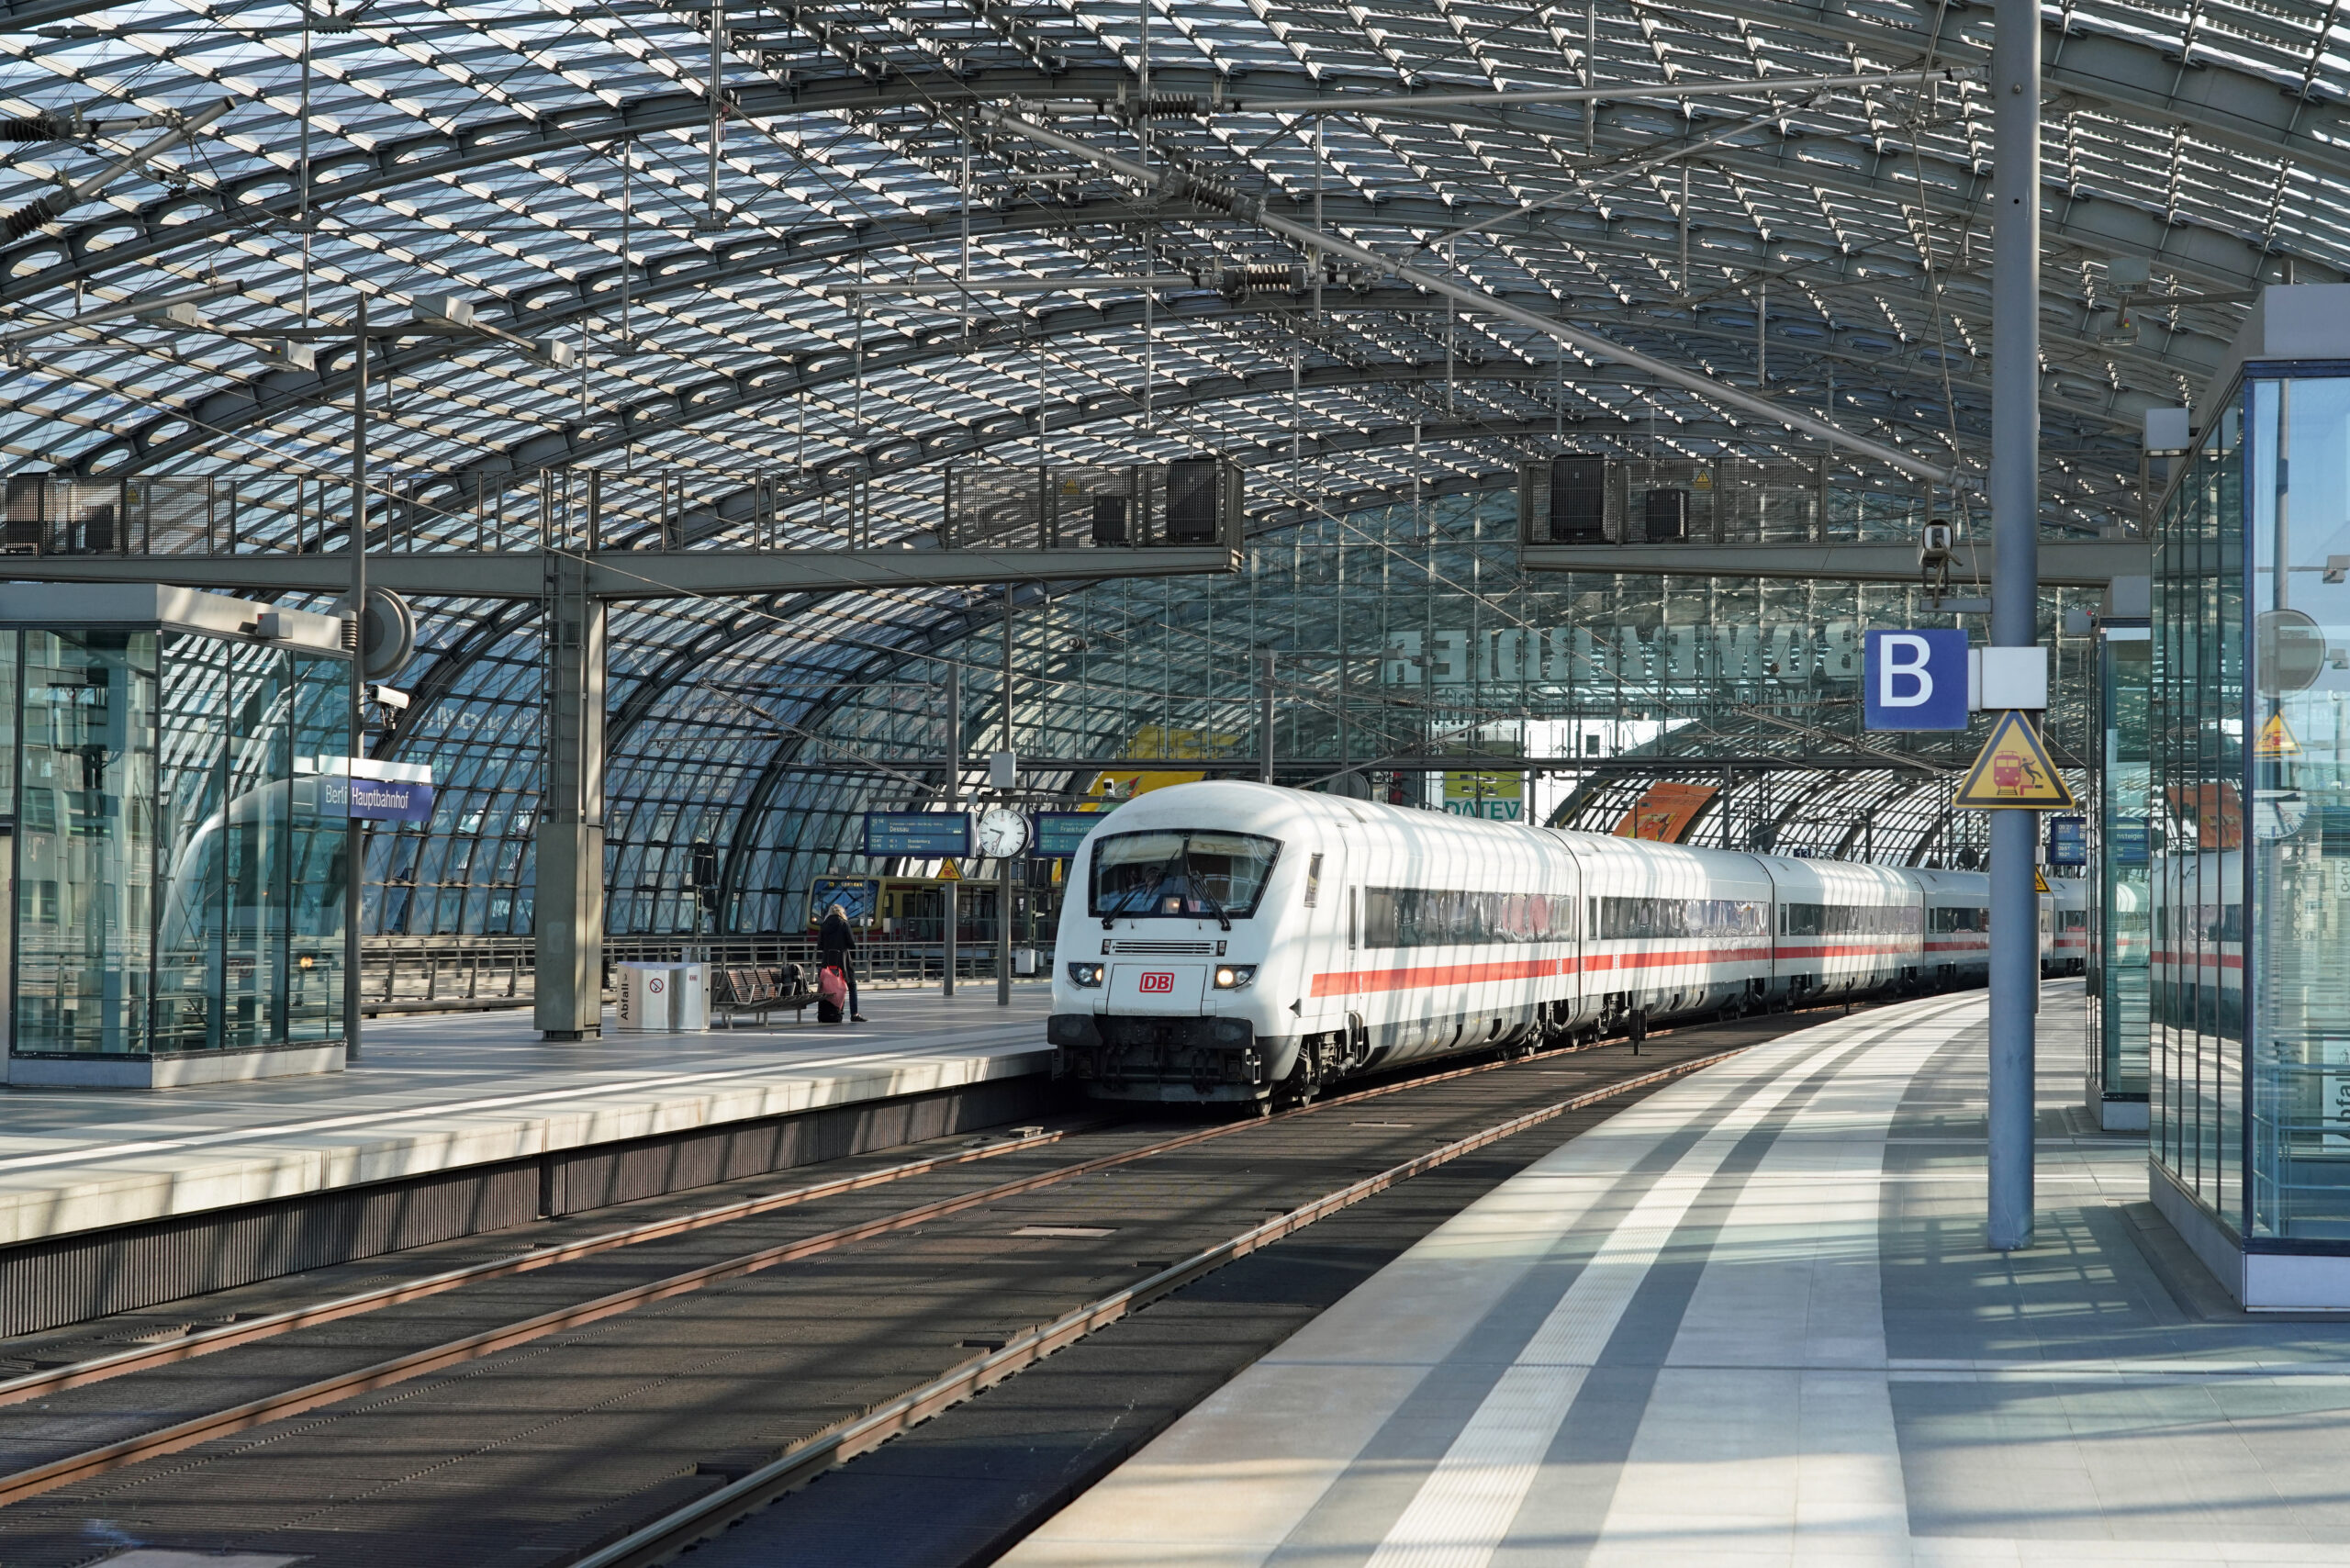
663	999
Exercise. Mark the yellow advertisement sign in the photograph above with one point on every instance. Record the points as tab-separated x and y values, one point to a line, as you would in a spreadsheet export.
1484	792
1115	785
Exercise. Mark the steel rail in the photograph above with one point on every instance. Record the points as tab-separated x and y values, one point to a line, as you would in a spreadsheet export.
474	1346
98	1369
56	1380
707	1516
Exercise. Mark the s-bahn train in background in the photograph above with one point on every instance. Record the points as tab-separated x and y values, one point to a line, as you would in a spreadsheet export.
1231	941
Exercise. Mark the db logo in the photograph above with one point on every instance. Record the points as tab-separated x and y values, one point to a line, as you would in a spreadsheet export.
1159	981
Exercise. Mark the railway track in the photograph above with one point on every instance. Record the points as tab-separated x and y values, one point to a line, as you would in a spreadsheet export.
88	1473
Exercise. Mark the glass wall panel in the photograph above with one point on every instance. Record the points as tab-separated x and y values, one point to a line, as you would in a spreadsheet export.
85	844
249	948
2299	504
176	889
2124	931
317	854
190	953
2196	747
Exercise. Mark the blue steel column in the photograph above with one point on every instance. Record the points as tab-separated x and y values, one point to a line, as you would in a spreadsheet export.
354	832
2015	594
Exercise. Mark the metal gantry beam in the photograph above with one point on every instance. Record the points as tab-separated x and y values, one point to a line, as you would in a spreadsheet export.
613	576
2068	563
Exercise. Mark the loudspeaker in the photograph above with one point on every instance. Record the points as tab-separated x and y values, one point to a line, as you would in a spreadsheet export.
1195	490
98	529
1109	519
1668	517
25	497
1578	500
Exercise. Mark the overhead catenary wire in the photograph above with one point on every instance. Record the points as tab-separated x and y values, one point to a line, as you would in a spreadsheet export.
1247	210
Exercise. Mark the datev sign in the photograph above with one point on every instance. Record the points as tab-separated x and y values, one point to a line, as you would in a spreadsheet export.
1914	680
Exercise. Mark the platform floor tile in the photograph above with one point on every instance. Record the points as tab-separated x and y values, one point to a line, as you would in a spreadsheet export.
1752	1323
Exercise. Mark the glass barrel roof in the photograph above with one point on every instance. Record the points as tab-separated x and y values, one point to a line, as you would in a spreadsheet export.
817	331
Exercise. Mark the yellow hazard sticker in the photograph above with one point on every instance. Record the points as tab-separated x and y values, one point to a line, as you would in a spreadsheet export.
2014	772
2039	879
947	872
2275	739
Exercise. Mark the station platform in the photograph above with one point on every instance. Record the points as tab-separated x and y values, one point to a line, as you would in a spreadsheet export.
462	1122
1751	1320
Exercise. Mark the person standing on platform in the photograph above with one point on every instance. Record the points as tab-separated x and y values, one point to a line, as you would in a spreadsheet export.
836	940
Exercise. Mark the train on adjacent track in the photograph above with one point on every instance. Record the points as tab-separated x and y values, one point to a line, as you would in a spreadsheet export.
1242	943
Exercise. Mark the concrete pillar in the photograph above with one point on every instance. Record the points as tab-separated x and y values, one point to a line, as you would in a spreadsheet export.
567	906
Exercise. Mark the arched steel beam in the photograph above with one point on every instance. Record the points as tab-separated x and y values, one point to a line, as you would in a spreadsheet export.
785	378
759	799
1019	428
536	309
2232	108
560	303
268	195
1897	788
497	621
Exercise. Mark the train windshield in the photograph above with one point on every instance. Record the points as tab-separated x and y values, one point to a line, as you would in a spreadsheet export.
1184	874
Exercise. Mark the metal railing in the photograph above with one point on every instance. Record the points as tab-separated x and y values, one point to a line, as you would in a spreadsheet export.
1726	500
1193	501
455	974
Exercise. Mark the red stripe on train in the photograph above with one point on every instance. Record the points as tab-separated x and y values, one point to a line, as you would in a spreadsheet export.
1356	982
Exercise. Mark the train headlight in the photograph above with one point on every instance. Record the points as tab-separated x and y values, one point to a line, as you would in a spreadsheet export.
1086	975
1234	976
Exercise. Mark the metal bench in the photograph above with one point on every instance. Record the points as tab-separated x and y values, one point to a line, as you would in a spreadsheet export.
757	992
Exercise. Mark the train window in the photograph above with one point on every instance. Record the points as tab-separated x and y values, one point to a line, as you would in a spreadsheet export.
1313	881
1948	919
1850	920
1623	919
1182	874
1450	917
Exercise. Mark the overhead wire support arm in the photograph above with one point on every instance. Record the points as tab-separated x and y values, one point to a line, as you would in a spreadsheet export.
49	208
1175	183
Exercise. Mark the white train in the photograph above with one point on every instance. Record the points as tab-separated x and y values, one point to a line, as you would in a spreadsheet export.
1238	942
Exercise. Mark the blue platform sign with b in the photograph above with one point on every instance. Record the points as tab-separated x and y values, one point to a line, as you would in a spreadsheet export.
1914	680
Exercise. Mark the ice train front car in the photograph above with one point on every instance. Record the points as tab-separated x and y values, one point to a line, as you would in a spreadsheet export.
1236	943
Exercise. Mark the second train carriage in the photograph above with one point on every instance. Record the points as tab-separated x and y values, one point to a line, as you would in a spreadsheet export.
1227	942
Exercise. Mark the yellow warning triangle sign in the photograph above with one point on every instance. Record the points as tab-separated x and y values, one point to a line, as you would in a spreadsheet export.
2014	772
2275	739
2039	880
947	872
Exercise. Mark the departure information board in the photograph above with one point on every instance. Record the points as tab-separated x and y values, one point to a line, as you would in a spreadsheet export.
1059	833
918	836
